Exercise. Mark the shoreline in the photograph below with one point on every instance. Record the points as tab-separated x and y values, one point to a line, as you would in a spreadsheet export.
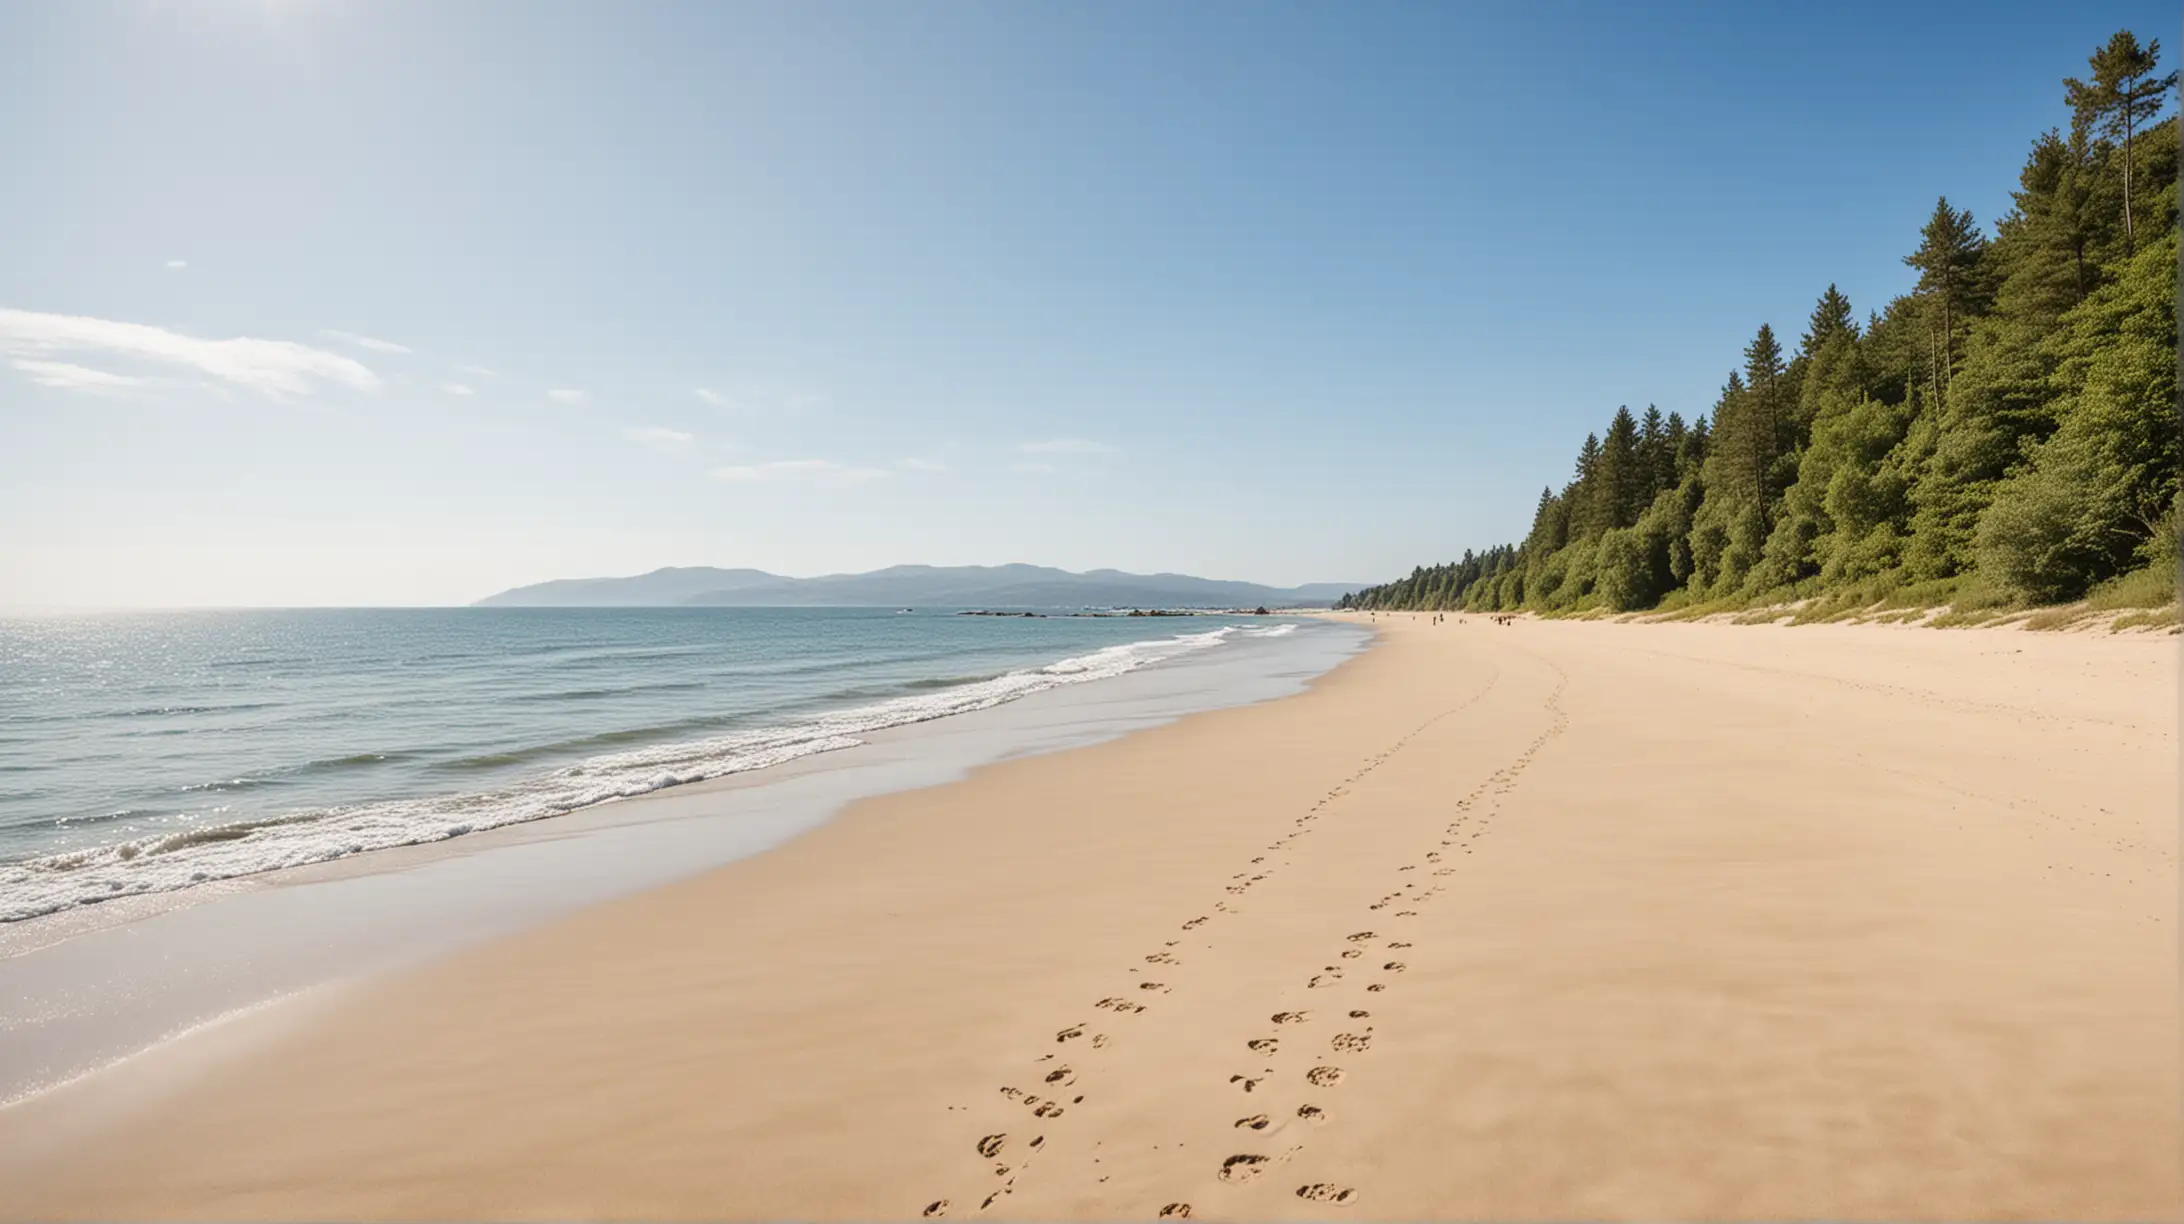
1680	920
89	987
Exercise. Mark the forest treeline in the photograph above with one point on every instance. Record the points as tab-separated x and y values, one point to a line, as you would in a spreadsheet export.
2006	433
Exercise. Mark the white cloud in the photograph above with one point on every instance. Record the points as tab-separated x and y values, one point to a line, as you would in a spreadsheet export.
921	465
454	388
176	265
274	368
659	437
798	469
479	370
1066	446
759	397
364	342
566	395
78	378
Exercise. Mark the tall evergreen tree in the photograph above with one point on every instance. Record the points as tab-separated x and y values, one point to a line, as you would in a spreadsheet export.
1622	477
1692	444
1947	259
1585	507
2123	94
1550	525
2056	220
1831	317
1656	453
1764	372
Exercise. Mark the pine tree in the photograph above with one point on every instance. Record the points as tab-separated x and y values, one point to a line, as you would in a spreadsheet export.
2056	220
1550	525
1831	317
1585	516
1656	452
1692	445
2123	94
1831	359
1763	377
1621	474
1947	259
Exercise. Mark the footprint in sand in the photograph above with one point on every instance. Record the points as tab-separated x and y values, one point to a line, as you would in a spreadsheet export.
1355	1014
1295	1017
1326	1192
990	1146
1039	1106
1323	1077
1346	1043
1162	987
1361	935
1194	923
1262	1045
1376	987
1176	1211
1312	1113
1162	958
1062	1073
1397	943
1248	1084
938	1207
1393	966
1255	1121
1352	953
1242	1167
1071	1033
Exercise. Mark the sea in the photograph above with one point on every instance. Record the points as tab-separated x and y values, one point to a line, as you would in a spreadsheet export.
159	752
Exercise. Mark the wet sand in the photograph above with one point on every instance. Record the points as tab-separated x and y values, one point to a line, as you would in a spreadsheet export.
1555	920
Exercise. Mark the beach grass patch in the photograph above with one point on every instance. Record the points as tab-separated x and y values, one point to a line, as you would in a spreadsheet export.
2152	587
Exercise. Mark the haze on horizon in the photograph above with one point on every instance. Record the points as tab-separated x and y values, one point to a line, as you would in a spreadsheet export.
345	303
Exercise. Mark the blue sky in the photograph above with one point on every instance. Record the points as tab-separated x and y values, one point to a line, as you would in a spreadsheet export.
343	302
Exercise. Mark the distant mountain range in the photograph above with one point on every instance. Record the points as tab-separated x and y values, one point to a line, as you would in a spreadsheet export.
960	586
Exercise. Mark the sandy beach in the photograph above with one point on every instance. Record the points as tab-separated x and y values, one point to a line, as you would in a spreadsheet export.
1551	921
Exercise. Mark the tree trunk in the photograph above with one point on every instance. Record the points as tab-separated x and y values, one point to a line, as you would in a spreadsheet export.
2129	239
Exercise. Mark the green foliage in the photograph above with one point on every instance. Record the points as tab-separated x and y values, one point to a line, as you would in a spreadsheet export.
2004	434
2095	496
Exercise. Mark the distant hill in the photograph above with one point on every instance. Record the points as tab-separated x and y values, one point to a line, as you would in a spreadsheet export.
962	586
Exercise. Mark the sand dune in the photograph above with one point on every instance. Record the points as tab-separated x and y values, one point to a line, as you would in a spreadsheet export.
1547	921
